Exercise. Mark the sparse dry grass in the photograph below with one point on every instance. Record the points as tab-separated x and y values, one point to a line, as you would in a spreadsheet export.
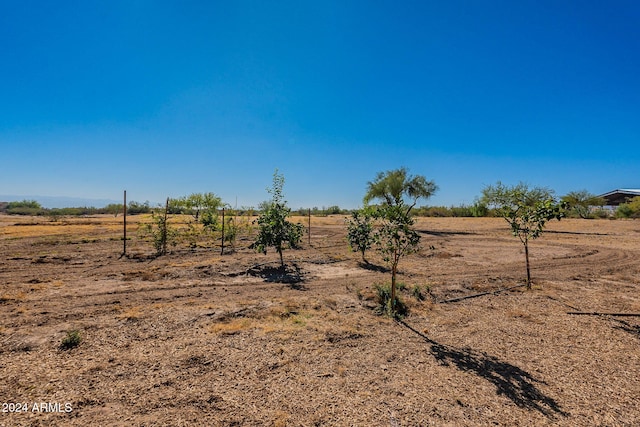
131	314
16	296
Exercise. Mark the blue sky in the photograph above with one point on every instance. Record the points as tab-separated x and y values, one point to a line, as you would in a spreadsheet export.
170	98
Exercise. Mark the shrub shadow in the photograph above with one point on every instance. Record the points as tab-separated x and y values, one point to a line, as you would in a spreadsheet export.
510	381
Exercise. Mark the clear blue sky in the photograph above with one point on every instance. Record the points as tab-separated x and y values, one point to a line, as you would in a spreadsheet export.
168	98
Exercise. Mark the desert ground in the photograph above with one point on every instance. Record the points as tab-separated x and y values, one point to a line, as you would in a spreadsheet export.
196	338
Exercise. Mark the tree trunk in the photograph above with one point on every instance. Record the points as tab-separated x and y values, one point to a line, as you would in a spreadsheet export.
393	288
163	230
526	255
281	259
124	225
222	240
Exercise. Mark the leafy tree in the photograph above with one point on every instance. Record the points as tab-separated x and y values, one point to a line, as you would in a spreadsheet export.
360	231
395	237
581	201
201	204
136	208
527	211
395	187
274	229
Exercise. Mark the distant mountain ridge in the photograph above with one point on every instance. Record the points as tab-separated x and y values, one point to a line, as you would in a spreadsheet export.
51	202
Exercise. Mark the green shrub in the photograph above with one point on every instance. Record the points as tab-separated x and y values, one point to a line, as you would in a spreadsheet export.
631	209
360	231
417	293
461	211
136	208
385	305
160	232
71	340
24	207
479	210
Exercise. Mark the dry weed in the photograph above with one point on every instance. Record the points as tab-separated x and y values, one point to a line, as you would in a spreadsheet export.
18	296
281	419
132	314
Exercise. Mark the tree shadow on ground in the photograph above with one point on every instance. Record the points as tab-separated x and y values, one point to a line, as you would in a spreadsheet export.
583	233
627	327
446	233
510	381
290	274
373	267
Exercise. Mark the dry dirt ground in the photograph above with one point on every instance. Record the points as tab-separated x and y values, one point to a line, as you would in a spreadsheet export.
199	338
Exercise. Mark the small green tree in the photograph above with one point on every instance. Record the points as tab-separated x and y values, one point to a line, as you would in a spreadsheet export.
581	202
160	231
395	238
360	231
399	192
274	229
526	210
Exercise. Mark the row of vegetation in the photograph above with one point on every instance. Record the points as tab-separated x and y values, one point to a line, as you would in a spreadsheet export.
581	204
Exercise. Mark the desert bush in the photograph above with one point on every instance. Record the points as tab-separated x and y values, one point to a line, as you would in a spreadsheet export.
113	208
323	211
386	306
136	208
580	203
333	210
479	209
631	209
71	340
24	207
434	211
417	293
601	213
461	211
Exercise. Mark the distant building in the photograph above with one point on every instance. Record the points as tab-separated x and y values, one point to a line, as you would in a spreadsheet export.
616	197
